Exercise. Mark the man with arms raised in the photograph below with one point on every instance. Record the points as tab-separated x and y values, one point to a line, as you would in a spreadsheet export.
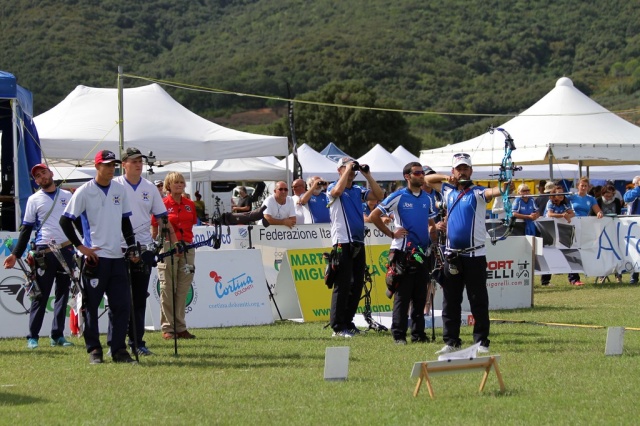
347	236
466	262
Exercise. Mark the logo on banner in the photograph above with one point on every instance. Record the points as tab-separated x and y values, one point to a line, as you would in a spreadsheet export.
507	273
235	286
12	295
192	295
383	260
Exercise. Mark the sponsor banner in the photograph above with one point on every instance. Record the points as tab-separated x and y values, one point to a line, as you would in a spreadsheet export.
307	269
595	247
228	289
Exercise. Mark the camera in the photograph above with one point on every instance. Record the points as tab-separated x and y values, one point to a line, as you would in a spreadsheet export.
357	166
321	183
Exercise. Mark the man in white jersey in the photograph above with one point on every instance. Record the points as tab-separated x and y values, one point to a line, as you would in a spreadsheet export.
42	212
347	236
466	262
104	208
145	200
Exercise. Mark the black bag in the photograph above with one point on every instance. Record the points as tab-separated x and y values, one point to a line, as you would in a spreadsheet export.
331	269
395	269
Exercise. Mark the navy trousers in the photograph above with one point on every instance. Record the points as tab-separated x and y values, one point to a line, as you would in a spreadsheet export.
52	272
110	278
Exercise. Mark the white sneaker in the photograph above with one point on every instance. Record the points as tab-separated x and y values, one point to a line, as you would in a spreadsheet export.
483	349
344	333
447	349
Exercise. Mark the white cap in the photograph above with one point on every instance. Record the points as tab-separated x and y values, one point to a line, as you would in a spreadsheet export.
461	158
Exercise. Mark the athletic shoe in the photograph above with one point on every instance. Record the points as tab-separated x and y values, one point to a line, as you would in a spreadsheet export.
344	333
61	341
122	356
32	343
577	283
400	342
355	331
185	335
95	357
447	349
483	349
167	336
421	339
142	350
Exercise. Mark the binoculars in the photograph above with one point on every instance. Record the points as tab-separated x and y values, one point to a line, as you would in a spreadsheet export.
357	166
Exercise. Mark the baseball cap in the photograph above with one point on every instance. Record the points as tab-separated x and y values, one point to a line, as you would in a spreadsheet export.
158	182
35	168
344	161
428	170
105	157
461	158
549	186
132	153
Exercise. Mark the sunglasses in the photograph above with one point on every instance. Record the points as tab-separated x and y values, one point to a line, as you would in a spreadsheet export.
282	189
418	172
526	190
461	155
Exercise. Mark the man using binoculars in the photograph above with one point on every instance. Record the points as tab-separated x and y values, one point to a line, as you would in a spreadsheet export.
316	199
347	237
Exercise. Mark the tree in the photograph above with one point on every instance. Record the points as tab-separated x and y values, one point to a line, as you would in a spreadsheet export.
354	130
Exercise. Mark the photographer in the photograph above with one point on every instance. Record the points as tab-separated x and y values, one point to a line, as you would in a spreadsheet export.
466	262
316	199
409	252
347	236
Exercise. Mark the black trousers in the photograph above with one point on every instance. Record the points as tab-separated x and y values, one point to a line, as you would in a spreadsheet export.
347	289
411	292
473	276
140	274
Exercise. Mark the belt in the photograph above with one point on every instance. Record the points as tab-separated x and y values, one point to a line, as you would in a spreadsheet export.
63	245
464	251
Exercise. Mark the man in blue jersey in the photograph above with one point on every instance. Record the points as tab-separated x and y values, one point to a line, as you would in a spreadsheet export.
466	262
316	199
409	253
347	236
42	213
104	208
632	198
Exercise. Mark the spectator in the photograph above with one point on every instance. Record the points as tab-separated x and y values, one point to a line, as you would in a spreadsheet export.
525	209
160	185
435	196
244	201
280	209
582	204
303	215
633	208
317	200
617	193
543	199
558	207
610	206
200	207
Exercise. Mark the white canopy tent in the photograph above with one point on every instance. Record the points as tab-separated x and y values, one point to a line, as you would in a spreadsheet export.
86	121
384	166
313	164
403	154
237	169
565	126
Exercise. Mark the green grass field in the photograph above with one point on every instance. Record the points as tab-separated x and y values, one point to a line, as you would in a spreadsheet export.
274	374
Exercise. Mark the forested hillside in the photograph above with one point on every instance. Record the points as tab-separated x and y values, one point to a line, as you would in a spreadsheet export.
458	56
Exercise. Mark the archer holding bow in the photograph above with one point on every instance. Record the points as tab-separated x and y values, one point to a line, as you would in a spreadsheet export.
465	254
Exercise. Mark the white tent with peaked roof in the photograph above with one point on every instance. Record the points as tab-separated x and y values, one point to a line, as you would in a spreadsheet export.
86	121
403	154
313	163
565	126
384	166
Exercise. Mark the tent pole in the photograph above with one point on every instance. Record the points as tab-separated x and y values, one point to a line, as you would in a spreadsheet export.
120	111
551	166
16	191
579	169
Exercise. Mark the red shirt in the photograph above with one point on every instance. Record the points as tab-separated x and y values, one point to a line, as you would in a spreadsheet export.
182	217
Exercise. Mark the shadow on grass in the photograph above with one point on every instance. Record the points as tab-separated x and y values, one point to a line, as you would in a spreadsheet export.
7	399
242	361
